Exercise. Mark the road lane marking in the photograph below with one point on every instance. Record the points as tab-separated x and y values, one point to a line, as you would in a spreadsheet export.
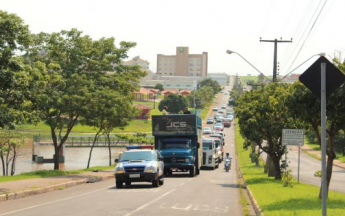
48	203
149	203
176	206
182	184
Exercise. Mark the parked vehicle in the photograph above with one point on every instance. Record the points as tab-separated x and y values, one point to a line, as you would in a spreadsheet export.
210	157
178	139
139	166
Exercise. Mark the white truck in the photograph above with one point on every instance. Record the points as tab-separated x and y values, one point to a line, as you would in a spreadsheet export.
211	158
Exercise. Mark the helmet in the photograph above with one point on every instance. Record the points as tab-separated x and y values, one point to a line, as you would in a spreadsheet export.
227	154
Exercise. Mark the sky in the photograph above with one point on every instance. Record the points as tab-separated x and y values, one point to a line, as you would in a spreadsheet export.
212	26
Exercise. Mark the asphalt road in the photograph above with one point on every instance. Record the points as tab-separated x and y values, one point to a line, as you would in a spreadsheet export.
309	165
213	192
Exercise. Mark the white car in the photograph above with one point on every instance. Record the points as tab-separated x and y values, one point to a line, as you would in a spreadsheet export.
215	108
207	130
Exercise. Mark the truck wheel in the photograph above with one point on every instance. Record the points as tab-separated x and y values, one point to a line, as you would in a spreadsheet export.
197	171
155	182
119	184
192	171
161	181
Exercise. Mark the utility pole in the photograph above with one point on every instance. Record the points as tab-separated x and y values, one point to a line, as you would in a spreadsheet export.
275	41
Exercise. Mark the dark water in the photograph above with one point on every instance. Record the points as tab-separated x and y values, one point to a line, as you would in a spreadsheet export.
75	158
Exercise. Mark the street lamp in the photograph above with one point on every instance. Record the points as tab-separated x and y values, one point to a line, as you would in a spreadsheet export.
319	54
231	52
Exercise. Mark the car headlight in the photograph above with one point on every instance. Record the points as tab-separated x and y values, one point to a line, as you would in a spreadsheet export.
119	169
151	168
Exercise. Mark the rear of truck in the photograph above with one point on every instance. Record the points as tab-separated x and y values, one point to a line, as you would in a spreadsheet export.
178	139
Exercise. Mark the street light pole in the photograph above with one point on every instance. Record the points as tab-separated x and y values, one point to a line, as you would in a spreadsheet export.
319	54
231	52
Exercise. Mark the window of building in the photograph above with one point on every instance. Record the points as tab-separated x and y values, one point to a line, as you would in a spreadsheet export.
168	84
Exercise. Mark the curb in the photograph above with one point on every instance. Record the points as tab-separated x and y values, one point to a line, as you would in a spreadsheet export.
31	192
255	204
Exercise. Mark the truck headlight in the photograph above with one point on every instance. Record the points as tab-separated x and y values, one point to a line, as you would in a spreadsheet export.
151	168
119	169
187	160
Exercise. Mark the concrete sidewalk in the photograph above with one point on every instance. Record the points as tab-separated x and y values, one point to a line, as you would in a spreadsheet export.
28	187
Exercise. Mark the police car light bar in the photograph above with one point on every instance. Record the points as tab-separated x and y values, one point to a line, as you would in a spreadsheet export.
139	147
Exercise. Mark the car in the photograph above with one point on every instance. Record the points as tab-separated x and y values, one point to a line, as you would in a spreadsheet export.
223	106
210	121
207	130
220	111
220	125
230	117
217	115
227	122
139	164
220	119
217	128
215	108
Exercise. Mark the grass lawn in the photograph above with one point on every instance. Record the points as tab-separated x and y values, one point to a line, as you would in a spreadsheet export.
276	200
317	147
50	173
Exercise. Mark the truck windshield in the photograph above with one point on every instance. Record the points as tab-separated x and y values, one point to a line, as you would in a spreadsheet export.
138	155
168	144
206	145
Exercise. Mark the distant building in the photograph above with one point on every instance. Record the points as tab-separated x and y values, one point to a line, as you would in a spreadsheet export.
221	78
291	78
182	64
144	65
173	82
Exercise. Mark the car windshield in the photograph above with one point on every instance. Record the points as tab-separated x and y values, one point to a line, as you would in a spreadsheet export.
183	144
206	145
207	128
218	124
138	155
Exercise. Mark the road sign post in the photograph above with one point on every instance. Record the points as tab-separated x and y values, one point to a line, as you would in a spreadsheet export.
322	85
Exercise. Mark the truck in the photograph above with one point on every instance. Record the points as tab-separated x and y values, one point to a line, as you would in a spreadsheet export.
178	138
211	156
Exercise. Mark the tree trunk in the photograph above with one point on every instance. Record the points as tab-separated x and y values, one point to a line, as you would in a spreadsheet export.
270	166
14	158
2	162
93	145
108	137
277	173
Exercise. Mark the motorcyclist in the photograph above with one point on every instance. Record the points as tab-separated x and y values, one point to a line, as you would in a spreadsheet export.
227	157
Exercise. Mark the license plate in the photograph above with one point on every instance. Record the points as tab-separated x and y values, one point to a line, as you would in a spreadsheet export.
134	175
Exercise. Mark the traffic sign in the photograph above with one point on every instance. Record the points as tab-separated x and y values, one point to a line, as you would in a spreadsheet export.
293	137
311	78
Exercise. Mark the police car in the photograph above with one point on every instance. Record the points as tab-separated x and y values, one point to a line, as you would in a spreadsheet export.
139	164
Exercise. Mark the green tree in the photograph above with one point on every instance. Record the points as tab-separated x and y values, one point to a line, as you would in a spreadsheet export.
212	83
10	143
14	38
175	103
202	96
68	70
307	109
159	86
262	114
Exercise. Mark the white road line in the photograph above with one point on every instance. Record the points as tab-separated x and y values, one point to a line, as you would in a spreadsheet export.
149	203
48	203
182	184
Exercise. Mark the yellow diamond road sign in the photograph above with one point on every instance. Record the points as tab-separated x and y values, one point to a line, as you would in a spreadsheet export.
293	137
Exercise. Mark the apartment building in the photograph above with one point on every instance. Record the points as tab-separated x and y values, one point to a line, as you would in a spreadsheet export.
182	64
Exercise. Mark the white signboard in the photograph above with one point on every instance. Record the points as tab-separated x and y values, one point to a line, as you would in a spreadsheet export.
293	137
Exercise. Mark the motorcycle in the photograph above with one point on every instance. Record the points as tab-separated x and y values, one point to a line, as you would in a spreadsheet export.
227	164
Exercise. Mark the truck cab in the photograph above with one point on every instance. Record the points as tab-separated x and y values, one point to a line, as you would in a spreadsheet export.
178	140
211	158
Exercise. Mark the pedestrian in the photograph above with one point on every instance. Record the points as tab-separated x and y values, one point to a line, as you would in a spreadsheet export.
165	110
186	111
